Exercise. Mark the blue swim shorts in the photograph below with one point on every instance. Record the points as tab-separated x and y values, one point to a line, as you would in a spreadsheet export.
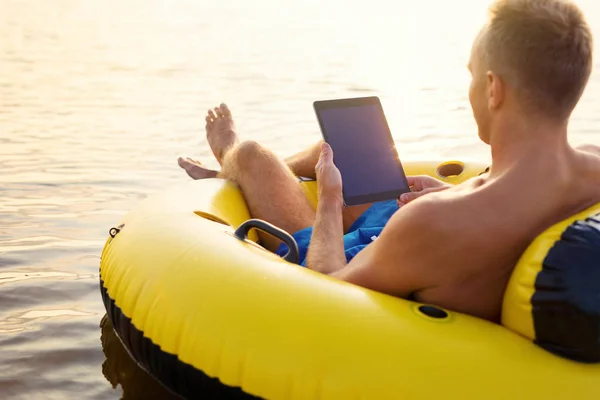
362	232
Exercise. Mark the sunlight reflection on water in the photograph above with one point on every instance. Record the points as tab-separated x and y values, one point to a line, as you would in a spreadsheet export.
98	98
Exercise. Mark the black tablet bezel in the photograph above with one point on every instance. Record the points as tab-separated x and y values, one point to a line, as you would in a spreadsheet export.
356	102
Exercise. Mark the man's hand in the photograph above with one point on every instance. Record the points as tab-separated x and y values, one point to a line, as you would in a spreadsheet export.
421	184
329	179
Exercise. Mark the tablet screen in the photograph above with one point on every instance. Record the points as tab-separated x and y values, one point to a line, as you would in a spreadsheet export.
364	152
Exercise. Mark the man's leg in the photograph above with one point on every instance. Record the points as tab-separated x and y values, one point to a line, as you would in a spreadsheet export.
304	163
195	169
301	164
351	214
271	190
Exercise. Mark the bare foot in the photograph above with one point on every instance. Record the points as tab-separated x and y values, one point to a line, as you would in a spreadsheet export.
220	131
195	169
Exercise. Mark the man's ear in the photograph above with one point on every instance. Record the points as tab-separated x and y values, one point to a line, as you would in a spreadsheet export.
495	91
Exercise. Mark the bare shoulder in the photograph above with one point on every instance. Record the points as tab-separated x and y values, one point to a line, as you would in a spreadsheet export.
442	228
589	165
428	216
589	148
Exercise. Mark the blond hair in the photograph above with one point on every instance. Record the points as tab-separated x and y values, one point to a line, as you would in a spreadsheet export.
543	49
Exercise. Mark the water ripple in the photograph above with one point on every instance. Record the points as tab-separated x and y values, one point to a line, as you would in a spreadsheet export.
98	99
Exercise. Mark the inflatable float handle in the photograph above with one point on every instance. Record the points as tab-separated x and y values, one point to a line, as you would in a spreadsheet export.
242	233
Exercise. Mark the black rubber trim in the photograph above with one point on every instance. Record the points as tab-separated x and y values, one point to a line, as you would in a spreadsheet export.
177	376
566	301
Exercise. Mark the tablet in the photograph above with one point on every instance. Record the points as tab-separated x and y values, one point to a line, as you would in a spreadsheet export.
363	149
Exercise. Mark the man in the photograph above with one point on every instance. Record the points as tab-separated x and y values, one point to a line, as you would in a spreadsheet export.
458	246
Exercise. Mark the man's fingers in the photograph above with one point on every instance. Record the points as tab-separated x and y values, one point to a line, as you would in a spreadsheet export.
410	196
325	166
415	182
423	182
325	159
326	153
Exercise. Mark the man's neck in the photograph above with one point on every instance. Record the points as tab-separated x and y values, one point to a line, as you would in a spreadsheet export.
520	141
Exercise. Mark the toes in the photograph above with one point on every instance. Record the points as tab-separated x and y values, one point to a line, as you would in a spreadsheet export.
212	115
195	169
191	161
218	112
209	120
186	162
225	110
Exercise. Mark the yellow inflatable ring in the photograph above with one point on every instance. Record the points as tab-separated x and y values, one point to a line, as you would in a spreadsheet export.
213	316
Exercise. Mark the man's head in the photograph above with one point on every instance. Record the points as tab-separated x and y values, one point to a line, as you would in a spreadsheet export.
533	58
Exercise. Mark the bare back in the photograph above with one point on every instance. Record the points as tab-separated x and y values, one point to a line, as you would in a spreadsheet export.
458	248
494	223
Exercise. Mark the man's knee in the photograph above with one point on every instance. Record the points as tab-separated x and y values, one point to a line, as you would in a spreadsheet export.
249	154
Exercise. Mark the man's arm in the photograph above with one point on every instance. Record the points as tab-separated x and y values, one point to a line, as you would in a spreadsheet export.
399	262
326	250
404	257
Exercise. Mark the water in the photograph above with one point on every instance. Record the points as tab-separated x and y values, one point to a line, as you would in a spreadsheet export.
98	98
